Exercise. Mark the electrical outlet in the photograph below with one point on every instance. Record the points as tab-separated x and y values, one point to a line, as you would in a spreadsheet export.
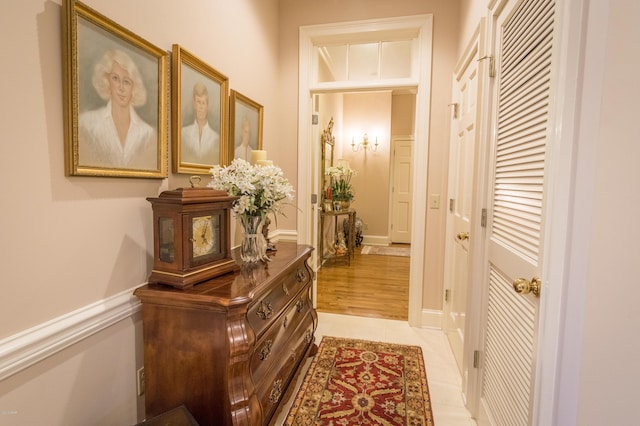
365	227
140	377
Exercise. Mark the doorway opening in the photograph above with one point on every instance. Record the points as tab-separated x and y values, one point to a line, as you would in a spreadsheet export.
418	28
382	204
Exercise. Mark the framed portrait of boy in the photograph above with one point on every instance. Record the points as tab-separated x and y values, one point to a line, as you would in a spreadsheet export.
245	126
199	113
115	90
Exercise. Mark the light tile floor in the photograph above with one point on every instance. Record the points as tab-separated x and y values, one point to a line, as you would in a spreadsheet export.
442	373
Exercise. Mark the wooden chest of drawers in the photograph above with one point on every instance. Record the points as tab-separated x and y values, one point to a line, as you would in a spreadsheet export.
228	348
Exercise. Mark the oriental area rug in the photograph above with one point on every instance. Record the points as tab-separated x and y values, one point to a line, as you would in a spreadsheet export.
359	382
386	251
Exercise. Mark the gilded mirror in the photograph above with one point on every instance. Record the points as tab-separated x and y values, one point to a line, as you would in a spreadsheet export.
328	142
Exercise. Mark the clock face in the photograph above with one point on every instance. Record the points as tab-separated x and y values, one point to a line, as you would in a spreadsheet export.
205	235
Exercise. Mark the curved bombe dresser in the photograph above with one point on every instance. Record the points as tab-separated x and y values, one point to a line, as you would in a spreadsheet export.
228	348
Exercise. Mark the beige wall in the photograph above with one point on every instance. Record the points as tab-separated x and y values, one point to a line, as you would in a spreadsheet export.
403	115
371	113
607	349
68	242
101	239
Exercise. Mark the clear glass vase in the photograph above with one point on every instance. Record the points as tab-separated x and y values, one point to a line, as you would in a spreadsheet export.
254	246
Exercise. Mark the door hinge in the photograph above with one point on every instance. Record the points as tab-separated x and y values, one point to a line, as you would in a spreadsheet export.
446	295
452	203
492	65
483	218
476	359
455	110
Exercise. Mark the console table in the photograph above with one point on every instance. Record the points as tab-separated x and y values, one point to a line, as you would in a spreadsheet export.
350	241
228	348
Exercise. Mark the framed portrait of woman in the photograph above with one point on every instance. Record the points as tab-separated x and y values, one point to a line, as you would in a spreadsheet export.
115	98
199	113
245	126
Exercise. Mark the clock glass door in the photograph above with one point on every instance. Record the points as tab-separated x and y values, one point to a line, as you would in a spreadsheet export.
205	238
166	251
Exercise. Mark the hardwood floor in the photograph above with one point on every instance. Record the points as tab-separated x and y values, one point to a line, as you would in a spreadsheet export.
372	286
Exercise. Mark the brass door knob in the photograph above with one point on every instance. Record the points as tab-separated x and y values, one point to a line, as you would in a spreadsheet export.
461	236
524	286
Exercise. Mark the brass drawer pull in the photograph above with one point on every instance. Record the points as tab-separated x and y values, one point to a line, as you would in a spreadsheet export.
276	392
285	289
308	337
301	275
265	351
265	311
300	305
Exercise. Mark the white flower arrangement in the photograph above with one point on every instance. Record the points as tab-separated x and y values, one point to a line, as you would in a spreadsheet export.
262	189
341	181
341	172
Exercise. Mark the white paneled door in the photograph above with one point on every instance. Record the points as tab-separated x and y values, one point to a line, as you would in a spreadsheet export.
523	36
462	167
401	195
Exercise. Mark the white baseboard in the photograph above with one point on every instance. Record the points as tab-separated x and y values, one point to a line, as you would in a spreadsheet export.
283	235
30	346
376	240
431	319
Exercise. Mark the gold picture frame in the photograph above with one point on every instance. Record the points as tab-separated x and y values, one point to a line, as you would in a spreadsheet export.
115	89
199	113
245	126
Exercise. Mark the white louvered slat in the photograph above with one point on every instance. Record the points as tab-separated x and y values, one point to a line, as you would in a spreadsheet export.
509	350
523	91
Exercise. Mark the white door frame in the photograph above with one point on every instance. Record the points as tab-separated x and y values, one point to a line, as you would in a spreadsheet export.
423	26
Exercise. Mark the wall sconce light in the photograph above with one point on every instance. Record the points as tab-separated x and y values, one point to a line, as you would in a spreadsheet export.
365	145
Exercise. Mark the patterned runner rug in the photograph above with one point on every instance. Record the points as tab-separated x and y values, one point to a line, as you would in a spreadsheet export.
358	382
386	251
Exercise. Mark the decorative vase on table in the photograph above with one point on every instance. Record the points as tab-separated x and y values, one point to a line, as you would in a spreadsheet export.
254	246
261	190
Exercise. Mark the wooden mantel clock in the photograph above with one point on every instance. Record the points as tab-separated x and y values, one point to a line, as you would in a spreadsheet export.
191	236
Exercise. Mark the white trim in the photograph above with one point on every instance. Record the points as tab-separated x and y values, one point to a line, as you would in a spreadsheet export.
431	319
283	235
422	25
375	240
577	98
31	346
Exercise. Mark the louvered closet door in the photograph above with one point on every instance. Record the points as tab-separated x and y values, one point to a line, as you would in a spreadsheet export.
524	36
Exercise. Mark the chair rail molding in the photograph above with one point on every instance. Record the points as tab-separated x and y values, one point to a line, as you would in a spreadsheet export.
28	347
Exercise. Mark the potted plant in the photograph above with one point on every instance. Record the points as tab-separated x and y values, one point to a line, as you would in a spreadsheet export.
341	189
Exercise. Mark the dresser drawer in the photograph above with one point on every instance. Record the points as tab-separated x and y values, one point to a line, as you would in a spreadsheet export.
200	342
265	310
277	379
273	345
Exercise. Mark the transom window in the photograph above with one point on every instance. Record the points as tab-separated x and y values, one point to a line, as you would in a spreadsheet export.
366	61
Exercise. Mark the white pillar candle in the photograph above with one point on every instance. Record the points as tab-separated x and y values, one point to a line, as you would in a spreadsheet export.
257	155
264	163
